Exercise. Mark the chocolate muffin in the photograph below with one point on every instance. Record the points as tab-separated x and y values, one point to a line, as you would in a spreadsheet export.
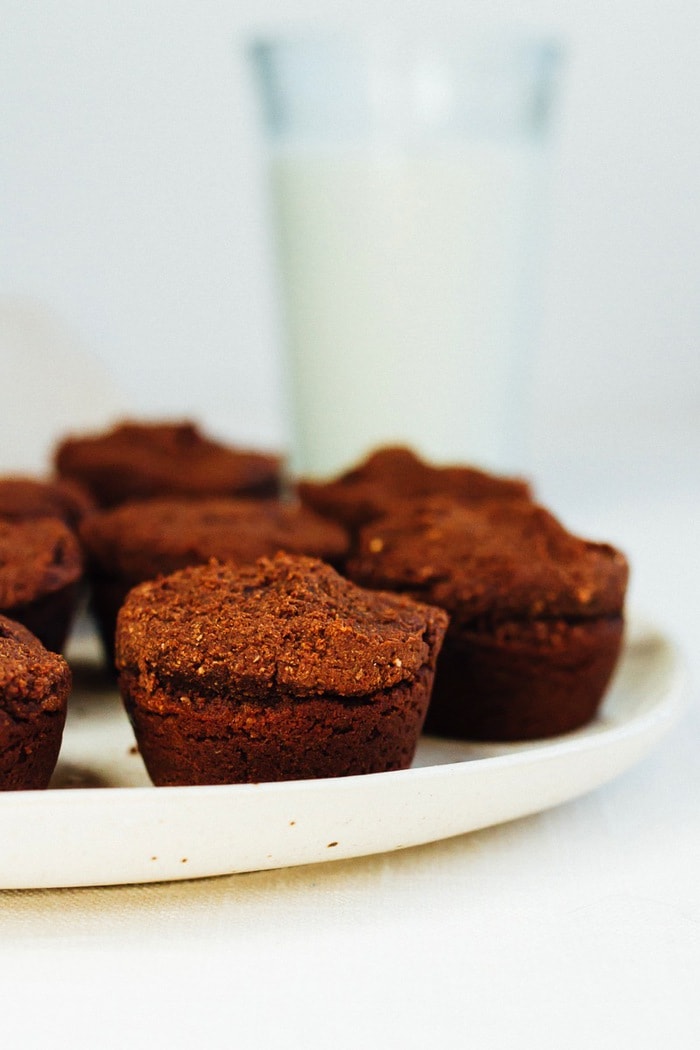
41	569
140	541
394	475
138	460
281	670
34	686
23	498
536	614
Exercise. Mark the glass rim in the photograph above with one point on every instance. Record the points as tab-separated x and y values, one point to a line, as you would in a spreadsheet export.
328	83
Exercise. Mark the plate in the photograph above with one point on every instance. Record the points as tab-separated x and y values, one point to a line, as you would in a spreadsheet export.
102	823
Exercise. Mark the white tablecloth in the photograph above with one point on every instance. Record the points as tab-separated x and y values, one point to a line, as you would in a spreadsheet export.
578	927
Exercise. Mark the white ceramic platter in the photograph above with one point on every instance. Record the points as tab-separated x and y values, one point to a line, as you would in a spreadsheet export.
101	823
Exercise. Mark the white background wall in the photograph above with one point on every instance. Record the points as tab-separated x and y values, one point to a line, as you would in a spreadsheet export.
132	221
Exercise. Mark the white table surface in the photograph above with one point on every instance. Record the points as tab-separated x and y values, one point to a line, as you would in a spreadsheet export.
578	927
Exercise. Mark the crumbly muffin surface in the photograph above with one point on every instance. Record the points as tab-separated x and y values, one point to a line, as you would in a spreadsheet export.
36	557
498	561
23	497
31	677
140	541
138	460
396	474
284	626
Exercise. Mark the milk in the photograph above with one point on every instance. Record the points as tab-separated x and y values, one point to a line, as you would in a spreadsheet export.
405	277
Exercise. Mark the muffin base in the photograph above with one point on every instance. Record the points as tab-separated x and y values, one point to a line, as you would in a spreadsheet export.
191	740
29	750
107	596
523	681
50	617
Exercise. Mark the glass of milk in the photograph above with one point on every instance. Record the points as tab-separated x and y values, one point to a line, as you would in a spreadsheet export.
406	182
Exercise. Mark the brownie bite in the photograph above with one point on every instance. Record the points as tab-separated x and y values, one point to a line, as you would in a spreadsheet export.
536	614
139	460
34	686
23	498
140	541
41	568
394	475
280	670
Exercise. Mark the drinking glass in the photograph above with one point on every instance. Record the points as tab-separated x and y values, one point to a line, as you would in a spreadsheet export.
406	182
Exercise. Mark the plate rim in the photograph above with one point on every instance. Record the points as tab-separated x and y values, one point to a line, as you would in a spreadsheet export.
660	709
667	709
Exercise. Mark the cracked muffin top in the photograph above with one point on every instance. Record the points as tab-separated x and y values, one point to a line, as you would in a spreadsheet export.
288	625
